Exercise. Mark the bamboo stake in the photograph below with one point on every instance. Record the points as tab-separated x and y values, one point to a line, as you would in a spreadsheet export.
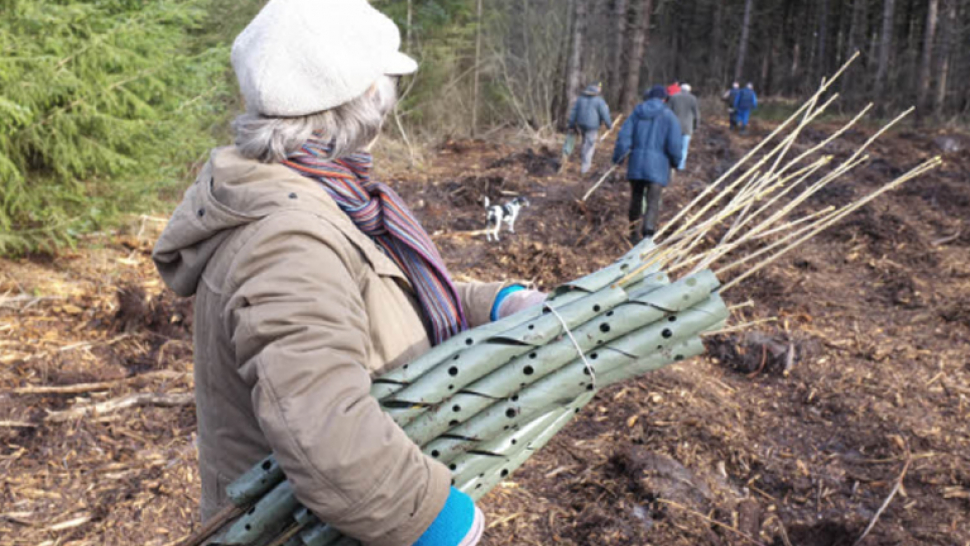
704	228
825	85
852	162
751	186
601	180
613	126
784	211
819	226
734	245
741	219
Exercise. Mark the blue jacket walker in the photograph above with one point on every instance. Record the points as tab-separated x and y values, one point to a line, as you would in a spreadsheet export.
653	140
745	101
590	111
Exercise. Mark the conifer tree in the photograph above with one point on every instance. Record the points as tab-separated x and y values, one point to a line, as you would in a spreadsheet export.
100	103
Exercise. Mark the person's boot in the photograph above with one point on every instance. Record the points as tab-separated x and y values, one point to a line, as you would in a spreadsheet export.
636	232
647	232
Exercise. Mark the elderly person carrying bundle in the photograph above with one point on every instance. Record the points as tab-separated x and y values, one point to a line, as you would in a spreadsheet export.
310	277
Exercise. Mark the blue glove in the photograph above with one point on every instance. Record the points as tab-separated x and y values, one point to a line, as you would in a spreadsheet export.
460	523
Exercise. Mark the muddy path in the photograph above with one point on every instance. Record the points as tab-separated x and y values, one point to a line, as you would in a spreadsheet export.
794	431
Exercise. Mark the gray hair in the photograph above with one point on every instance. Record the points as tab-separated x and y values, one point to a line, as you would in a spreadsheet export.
350	127
685	87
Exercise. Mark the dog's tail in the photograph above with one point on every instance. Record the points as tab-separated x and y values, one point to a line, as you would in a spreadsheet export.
486	201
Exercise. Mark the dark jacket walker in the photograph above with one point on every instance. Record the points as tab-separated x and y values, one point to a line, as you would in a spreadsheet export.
651	140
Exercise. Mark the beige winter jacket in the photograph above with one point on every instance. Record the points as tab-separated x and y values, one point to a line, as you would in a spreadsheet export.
295	311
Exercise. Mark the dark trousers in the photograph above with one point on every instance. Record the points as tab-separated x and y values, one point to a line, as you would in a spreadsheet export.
645	205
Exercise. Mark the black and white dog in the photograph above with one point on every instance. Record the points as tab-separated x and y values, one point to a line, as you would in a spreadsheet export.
503	213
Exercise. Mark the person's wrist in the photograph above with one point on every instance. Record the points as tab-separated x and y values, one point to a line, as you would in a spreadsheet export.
500	298
459	523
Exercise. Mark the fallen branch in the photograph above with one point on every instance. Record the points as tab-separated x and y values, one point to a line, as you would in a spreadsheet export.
81	345
88	344
20	518
71	523
738	327
16	424
26	299
473	233
79	388
745	536
117	404
947	239
889	499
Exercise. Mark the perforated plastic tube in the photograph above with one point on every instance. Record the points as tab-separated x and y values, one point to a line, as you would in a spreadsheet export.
479	486
394	380
652	343
269	514
473	363
648	303
501	448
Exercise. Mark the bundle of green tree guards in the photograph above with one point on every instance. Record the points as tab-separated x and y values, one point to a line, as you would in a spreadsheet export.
507	387
484	401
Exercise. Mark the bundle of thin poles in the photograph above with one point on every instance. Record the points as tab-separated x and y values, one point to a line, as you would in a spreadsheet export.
484	401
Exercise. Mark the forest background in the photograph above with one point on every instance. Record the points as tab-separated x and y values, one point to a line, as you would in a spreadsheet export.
107	106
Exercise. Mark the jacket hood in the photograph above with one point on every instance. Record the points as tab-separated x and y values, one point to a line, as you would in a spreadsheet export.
592	90
649	109
230	191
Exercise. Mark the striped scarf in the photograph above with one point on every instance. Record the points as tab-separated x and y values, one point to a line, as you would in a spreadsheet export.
379	212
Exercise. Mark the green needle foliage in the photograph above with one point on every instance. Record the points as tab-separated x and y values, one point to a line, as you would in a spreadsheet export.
103	104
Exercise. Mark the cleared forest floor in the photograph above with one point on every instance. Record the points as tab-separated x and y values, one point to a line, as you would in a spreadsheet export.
776	450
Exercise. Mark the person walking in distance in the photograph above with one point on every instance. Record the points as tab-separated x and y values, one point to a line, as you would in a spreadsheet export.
684	106
673	88
652	140
588	113
728	98
744	103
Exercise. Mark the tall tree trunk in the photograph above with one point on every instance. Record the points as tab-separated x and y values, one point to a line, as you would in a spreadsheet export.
478	66
943	56
857	38
407	30
717	41
857	29
556	106
575	70
619	43
926	60
872	55
641	34
821	64
884	48
745	31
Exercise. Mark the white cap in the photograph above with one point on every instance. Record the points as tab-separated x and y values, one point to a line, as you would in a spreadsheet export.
299	57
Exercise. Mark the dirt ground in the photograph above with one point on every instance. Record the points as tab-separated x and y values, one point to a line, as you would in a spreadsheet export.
793	431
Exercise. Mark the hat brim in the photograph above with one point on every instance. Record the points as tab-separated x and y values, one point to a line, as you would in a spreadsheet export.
400	64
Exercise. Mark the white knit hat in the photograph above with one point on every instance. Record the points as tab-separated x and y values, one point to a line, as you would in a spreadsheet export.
299	57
